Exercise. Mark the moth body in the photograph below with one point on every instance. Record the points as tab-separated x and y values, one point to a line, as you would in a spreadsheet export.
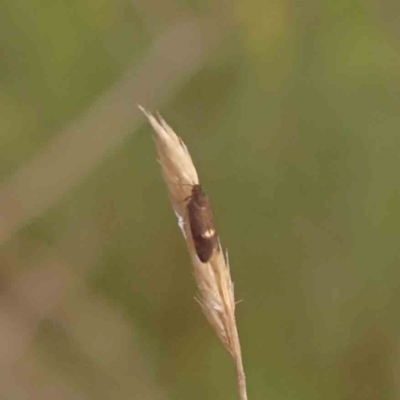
201	222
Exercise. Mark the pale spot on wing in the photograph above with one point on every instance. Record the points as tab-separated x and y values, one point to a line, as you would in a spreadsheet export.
209	233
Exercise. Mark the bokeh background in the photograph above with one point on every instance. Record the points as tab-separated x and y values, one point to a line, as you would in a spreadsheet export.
291	112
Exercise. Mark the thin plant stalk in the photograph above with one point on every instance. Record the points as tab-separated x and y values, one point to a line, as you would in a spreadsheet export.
216	295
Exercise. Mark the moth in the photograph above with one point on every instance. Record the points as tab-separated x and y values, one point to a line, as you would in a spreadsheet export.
201	220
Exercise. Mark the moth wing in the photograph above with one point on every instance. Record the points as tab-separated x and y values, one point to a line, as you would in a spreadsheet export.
202	228
204	249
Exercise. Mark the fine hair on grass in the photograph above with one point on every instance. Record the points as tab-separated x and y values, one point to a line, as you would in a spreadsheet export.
216	295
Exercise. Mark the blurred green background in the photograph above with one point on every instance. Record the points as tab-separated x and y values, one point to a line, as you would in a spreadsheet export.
291	112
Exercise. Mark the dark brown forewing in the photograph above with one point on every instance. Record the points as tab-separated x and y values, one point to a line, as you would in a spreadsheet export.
202	224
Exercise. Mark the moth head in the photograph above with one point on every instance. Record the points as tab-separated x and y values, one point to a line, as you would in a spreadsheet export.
199	196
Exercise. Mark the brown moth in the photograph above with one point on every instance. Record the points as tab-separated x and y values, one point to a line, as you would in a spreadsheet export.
201	222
